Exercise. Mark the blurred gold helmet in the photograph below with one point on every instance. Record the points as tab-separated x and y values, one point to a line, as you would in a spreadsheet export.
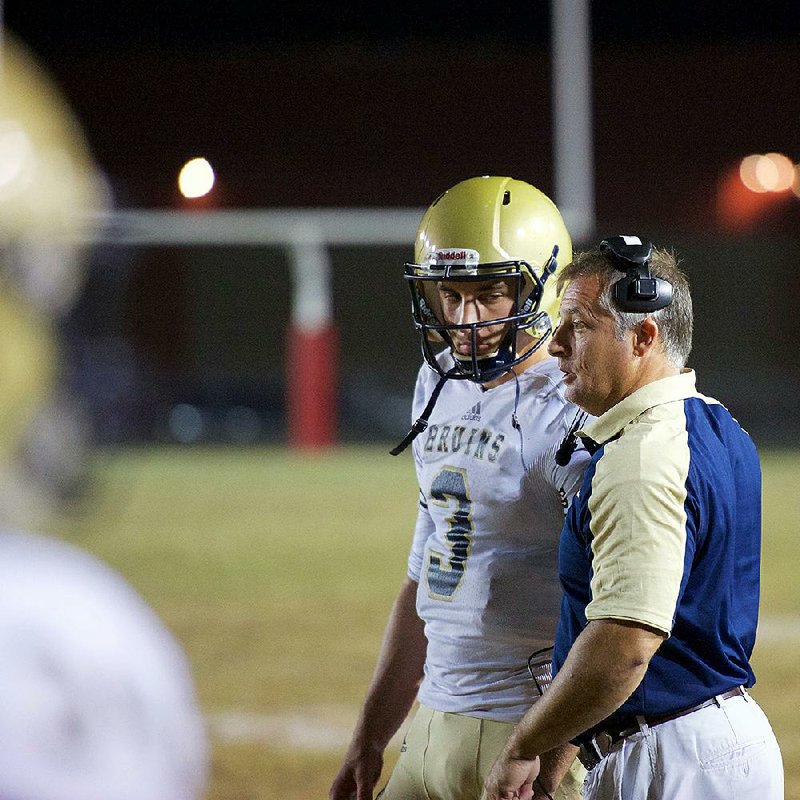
484	228
48	178
49	184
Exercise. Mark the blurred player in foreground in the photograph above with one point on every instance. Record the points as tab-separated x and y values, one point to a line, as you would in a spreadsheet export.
50	187
659	558
482	593
98	702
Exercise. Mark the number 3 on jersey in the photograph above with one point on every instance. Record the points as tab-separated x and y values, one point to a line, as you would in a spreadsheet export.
449	487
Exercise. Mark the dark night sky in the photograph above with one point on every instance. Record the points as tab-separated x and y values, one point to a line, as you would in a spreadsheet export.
308	103
87	25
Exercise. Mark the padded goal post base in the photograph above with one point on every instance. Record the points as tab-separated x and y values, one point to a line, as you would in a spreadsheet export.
312	387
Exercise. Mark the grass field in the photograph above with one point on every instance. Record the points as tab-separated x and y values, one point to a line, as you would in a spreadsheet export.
277	571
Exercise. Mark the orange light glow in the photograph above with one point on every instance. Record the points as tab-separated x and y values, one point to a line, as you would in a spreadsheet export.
739	207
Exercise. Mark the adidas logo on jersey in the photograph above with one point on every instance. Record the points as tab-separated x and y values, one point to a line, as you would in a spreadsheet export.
474	414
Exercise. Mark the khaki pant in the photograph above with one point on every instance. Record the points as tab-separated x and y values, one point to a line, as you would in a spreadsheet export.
448	756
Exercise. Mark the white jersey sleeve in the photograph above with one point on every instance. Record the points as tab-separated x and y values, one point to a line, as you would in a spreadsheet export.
485	548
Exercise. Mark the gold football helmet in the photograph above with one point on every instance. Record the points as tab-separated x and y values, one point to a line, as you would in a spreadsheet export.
484	228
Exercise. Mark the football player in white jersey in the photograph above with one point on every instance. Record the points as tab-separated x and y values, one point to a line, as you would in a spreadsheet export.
482	592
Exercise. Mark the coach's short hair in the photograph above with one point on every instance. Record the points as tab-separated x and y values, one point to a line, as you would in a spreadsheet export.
675	322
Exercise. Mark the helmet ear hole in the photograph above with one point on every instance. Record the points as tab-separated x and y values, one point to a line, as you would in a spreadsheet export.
506	197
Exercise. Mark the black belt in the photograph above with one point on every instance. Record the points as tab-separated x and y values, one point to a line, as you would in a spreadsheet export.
597	747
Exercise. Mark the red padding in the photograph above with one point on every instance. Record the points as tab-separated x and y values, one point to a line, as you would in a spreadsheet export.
311	387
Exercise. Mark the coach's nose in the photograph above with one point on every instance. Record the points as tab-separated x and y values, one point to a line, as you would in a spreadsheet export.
557	345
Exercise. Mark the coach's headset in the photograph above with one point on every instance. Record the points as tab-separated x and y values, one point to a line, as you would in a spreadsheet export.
637	292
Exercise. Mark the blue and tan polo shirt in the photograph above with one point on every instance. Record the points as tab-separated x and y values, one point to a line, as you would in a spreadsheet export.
666	531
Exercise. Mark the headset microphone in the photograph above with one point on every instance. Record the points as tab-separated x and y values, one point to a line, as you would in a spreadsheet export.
638	291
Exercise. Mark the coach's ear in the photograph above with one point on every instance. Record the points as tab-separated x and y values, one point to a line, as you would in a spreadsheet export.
645	335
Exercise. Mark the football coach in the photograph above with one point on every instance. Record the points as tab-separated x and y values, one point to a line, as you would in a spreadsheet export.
659	558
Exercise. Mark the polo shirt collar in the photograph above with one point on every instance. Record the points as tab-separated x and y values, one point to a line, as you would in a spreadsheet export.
665	390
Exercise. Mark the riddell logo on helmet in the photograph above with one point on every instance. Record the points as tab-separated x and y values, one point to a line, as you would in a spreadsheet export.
456	256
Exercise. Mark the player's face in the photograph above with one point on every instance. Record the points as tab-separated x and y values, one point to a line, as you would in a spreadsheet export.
467	302
597	367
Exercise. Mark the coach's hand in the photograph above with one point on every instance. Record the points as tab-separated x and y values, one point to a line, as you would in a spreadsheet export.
357	777
511	778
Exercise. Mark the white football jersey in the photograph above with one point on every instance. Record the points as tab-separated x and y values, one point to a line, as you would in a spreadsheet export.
485	550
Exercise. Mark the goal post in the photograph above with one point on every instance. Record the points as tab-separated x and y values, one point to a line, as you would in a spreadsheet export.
311	367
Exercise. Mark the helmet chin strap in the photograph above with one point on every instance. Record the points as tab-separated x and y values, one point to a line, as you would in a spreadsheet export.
422	421
481	370
494	369
490	366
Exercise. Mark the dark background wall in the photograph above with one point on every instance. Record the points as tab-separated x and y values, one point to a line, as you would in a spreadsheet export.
383	105
208	328
335	124
317	103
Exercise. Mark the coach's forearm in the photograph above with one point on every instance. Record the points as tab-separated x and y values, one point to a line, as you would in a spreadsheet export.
554	765
397	675
603	668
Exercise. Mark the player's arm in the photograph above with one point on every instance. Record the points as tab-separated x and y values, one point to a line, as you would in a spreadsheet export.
389	698
603	668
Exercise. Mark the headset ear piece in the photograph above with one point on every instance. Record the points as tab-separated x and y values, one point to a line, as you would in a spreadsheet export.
638	291
642	294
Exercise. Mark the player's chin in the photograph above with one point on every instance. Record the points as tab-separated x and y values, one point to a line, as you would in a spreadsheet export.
482	351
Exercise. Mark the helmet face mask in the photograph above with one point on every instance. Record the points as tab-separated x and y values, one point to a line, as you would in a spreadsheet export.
526	327
487	229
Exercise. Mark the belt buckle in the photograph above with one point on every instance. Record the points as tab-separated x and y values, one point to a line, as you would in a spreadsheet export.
595	750
602	743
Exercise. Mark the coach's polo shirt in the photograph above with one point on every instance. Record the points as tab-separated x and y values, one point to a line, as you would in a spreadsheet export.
665	531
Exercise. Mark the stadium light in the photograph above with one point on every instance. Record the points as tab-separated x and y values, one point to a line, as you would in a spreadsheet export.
196	178
779	173
773	172
748	173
